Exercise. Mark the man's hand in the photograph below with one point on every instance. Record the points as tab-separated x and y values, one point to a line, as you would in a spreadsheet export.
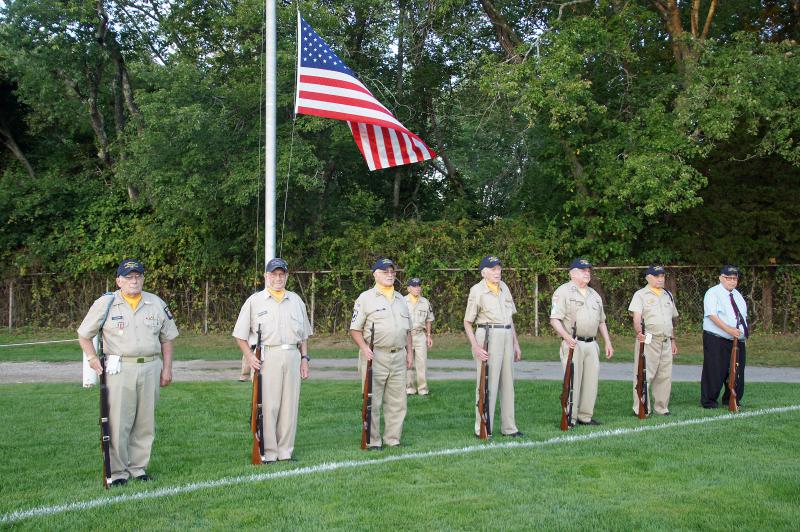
367	352
253	361
409	359
674	348
570	341
166	376
430	341
303	368
96	366
609	351
479	353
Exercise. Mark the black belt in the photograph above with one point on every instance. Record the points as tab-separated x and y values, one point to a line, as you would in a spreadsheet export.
493	326
586	338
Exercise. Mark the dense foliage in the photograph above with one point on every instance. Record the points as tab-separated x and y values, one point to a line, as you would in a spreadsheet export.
625	131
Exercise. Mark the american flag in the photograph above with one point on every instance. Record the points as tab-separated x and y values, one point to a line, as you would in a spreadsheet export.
326	87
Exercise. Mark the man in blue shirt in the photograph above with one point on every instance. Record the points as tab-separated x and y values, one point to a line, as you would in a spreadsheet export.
724	317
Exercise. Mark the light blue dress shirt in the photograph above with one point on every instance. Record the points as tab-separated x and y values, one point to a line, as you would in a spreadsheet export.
717	302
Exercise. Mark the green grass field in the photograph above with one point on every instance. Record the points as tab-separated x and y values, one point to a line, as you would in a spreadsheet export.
741	473
772	350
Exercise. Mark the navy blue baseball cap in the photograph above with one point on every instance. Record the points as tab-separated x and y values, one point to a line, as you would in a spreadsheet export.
129	265
580	263
383	264
729	270
655	269
415	281
276	263
489	262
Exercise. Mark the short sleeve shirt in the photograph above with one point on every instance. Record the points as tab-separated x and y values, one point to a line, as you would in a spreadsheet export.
657	311
391	318
128	332
571	308
421	313
717	302
484	306
284	322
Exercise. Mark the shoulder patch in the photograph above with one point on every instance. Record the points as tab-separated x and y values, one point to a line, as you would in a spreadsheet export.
356	309
167	312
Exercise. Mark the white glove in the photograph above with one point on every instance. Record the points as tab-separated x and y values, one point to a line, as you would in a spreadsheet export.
113	364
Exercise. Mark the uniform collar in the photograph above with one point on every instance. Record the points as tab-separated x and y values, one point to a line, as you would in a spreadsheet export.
488	290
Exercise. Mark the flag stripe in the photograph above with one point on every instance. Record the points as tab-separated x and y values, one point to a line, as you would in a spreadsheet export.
342	100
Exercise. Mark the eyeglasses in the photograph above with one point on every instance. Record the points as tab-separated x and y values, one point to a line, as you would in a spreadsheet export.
133	277
730	277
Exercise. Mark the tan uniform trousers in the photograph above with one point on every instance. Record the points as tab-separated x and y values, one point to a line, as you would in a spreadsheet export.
501	379
420	342
658	368
132	397
586	362
280	390
388	390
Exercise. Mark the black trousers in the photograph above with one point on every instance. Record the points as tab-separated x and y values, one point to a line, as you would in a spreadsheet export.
716	369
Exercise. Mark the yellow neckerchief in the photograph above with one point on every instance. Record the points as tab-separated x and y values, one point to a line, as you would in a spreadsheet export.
277	294
414	299
387	291
133	301
656	291
584	290
494	287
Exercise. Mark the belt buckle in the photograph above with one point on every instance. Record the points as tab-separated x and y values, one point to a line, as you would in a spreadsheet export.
140	360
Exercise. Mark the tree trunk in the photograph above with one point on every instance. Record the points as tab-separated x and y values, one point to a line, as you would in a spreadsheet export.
7	138
506	36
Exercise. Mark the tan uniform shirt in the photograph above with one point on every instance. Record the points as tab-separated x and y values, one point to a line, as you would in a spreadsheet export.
392	319
570	305
281	323
657	311
421	313
483	306
127	332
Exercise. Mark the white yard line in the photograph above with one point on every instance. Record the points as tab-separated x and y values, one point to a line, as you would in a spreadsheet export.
40	343
19	515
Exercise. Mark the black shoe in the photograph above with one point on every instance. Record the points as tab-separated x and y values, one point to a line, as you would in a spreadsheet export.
143	478
590	422
375	448
119	482
517	434
292	459
667	413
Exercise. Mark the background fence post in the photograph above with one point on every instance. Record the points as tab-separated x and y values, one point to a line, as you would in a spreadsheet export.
313	278
205	311
11	303
536	306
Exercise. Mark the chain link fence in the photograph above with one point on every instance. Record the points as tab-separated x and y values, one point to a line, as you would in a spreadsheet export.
212	305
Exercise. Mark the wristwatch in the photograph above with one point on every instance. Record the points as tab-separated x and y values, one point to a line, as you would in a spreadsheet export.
306	358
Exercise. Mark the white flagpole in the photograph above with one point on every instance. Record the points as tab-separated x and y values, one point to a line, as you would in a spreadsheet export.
270	166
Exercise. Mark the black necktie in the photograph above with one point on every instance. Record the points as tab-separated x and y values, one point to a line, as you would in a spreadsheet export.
739	317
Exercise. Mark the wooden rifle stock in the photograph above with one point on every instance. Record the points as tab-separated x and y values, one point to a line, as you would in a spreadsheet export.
366	404
641	380
483	393
567	387
105	426
257	409
733	405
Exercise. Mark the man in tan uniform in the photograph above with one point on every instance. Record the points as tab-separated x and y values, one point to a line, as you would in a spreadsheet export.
137	327
285	329
492	308
421	339
392	354
576	303
655	305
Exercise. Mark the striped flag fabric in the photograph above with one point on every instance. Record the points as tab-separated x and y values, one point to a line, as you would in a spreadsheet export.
326	87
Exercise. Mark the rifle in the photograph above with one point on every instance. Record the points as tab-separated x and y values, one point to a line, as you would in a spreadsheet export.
732	404
483	393
641	380
105	426
366	405
567	387
257	410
